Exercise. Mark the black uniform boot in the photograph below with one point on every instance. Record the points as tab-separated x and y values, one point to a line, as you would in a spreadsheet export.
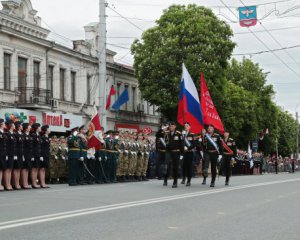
188	184
212	184
174	185
183	181
204	181
165	183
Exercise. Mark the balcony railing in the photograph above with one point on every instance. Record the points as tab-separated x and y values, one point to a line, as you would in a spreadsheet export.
31	95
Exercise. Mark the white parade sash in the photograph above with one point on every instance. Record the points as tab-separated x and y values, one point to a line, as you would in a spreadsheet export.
212	142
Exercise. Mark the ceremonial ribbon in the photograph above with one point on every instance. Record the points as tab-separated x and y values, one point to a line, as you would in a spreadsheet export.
226	147
212	142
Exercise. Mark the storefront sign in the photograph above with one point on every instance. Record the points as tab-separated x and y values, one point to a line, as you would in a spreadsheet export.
58	122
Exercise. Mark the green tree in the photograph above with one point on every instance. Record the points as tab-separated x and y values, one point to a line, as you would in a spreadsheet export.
189	34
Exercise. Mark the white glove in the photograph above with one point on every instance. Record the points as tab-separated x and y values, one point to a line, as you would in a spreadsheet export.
42	159
81	159
232	159
105	158
59	147
15	158
185	148
63	158
6	158
181	157
56	157
219	158
100	159
126	151
32	159
23	159
75	133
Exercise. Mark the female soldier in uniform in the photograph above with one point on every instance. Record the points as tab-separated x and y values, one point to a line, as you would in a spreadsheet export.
45	155
2	151
10	154
27	151
19	152
36	143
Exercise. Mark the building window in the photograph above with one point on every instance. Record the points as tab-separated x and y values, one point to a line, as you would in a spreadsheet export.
118	89
88	89
126	104
7	76
133	99
36	75
50	79
22	77
62	78
73	86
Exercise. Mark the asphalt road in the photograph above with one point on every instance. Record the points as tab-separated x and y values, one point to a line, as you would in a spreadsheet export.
253	207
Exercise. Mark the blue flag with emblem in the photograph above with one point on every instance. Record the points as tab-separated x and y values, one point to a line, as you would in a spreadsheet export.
124	98
248	16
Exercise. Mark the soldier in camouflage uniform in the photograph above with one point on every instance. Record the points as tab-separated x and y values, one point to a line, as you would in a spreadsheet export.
140	156
147	149
132	157
125	170
63	160
120	164
54	150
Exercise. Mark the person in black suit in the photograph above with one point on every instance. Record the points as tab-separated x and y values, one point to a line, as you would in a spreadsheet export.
2	152
36	158
20	157
45	155
11	154
27	151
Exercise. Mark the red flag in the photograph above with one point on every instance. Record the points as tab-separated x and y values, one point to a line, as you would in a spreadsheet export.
210	114
95	136
111	93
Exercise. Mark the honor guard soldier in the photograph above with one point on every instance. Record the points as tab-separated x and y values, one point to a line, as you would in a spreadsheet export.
120	164
73	156
161	147
28	155
101	159
212	153
126	156
83	144
11	154
20	156
2	152
174	153
45	155
140	157
229	155
188	141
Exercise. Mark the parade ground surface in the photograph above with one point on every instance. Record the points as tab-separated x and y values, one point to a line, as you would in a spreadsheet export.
253	207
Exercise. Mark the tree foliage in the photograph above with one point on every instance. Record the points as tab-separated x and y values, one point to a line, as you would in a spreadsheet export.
195	36
184	34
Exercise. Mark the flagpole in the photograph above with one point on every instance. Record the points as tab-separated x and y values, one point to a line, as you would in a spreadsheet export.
102	62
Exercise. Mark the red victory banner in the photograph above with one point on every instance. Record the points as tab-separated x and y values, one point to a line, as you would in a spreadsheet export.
210	114
95	135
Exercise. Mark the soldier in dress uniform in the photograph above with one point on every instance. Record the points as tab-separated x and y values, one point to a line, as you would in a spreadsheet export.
28	155
174	153
213	152
20	156
160	146
229	155
83	144
100	160
73	157
2	152
11	154
114	157
189	143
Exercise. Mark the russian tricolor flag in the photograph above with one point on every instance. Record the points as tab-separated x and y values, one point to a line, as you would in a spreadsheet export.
189	108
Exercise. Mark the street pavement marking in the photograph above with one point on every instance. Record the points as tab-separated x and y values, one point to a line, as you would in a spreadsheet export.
88	211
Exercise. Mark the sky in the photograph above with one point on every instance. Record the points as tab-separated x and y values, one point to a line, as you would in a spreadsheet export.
275	30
